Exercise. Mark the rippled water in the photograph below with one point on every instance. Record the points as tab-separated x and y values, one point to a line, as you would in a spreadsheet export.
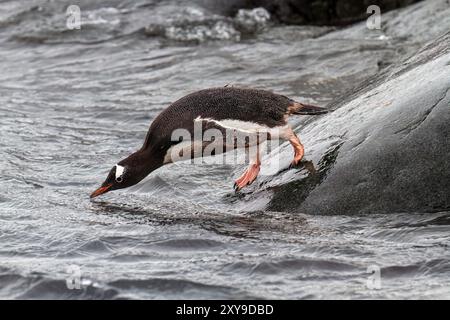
73	103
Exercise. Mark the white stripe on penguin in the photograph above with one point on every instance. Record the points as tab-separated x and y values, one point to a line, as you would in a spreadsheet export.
119	171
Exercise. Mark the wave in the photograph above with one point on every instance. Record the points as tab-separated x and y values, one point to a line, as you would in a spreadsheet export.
41	286
49	23
196	25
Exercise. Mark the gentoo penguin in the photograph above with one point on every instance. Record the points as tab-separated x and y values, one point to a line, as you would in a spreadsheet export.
229	108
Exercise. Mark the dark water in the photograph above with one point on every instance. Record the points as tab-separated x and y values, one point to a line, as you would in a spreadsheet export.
74	102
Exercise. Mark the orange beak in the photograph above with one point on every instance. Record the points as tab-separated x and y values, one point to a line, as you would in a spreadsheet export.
101	191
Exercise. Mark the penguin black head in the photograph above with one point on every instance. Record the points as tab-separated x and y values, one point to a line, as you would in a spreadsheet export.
128	172
119	177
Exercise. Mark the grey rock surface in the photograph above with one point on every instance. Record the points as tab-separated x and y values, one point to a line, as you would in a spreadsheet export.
385	148
316	12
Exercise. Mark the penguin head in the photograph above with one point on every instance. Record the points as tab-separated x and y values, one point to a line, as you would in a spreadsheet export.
119	177
129	172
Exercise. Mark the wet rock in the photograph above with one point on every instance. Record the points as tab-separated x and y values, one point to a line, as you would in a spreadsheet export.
384	149
316	12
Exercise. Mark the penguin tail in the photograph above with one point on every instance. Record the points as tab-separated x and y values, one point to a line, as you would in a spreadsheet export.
306	109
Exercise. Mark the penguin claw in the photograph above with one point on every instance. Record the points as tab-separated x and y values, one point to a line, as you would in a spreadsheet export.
308	165
247	178
292	165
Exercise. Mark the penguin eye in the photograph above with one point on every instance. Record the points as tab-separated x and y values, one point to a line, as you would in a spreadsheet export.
119	179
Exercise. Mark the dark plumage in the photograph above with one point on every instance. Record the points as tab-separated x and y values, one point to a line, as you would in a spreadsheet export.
259	106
